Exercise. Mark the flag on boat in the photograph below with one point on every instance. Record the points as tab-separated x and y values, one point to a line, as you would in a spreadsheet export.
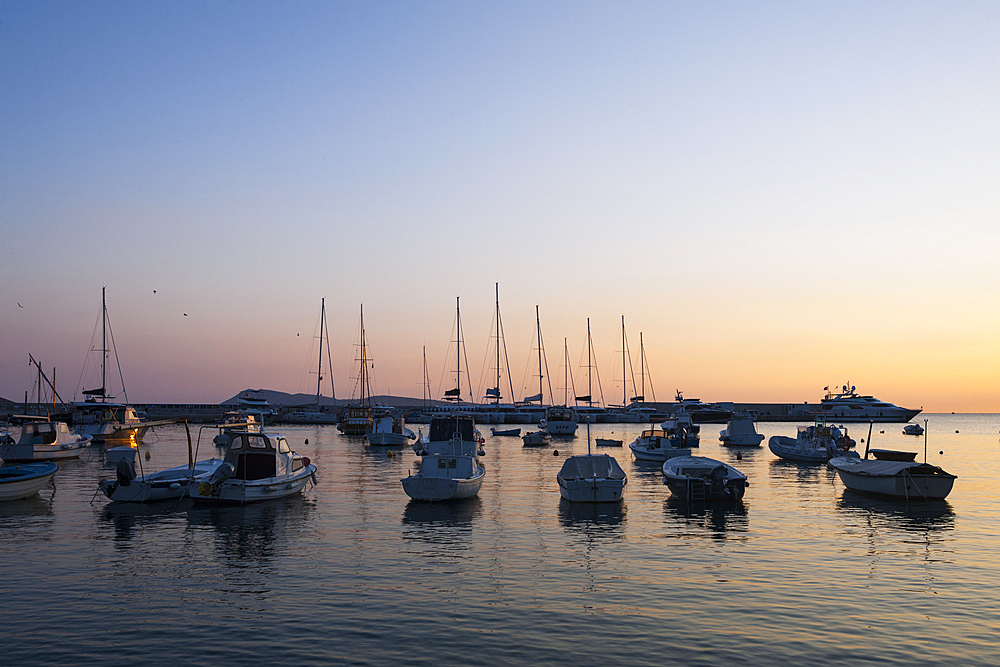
536	397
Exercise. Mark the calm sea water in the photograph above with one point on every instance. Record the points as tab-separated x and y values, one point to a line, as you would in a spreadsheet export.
352	572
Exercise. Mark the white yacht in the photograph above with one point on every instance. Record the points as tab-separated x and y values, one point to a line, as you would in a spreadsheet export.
849	406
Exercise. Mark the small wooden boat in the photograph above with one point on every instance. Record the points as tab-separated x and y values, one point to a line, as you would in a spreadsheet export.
536	439
900	479
702	478
608	442
513	432
24	480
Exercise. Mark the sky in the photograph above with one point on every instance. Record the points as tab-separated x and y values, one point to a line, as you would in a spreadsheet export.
779	196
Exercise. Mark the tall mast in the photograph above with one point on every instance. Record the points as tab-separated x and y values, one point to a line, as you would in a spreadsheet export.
458	346
565	373
590	391
319	366
364	360
538	328
425	377
496	399
642	367
624	384
104	345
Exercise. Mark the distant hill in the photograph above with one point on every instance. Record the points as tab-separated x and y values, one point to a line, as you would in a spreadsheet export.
283	399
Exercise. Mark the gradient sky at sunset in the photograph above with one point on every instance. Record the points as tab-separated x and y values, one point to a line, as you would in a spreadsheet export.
780	196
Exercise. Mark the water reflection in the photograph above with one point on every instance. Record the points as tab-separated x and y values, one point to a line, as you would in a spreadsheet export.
800	472
718	520
130	519
924	516
595	519
249	533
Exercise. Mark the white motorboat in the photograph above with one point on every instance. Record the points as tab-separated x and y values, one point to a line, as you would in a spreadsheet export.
913	429
450	467
24	480
816	443
702	478
536	439
741	432
44	441
849	406
168	484
389	431
901	479
257	466
559	420
657	445
591	478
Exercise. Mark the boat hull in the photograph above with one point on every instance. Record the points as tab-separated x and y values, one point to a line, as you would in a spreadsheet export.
656	454
434	489
701	478
913	481
594	490
24	481
169	484
37	453
240	492
387	439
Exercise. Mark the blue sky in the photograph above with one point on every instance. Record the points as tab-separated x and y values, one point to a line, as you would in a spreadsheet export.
781	196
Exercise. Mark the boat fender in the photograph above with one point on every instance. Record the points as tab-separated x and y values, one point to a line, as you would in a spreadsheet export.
307	442
312	476
555	452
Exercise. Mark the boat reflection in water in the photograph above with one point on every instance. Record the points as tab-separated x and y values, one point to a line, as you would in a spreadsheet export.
923	516
131	519
719	520
248	532
445	528
593	515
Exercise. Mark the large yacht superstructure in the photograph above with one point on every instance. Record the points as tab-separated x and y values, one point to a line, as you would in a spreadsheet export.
849	406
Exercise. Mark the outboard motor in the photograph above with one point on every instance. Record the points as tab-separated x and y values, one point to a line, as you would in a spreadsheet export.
221	474
125	473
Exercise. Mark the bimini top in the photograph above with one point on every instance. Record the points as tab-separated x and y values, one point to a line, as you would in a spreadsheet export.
447	428
590	466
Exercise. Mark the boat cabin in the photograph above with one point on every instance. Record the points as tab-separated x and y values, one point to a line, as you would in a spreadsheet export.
44	433
259	456
449	467
458	427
